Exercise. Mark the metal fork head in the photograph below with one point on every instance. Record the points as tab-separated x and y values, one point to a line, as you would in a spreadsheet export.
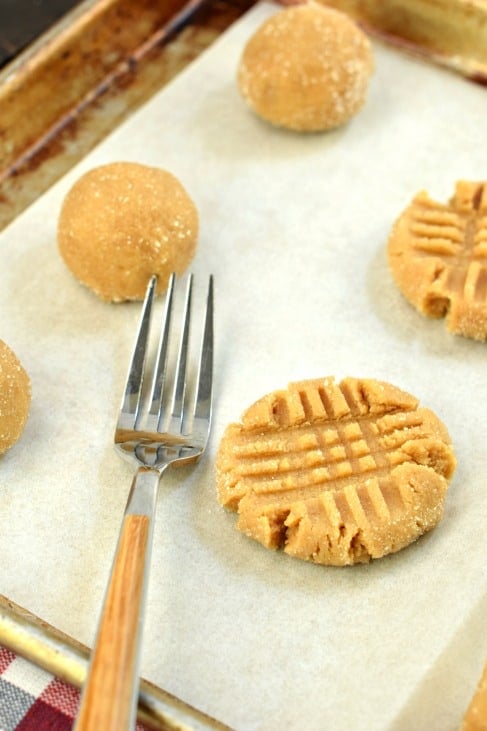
156	428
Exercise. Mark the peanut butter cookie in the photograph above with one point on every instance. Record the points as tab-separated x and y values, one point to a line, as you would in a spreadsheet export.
336	473
438	258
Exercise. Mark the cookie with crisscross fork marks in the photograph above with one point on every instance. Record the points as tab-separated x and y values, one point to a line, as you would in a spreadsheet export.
438	257
336	473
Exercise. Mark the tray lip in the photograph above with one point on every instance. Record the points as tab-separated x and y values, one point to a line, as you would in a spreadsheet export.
34	639
21	80
421	20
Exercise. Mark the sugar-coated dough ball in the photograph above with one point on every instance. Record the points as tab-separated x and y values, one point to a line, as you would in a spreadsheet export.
123	222
306	68
14	398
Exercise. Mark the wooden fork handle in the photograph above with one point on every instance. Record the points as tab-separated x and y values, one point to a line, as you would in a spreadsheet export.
108	698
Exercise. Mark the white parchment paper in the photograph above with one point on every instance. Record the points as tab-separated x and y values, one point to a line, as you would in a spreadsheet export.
294	229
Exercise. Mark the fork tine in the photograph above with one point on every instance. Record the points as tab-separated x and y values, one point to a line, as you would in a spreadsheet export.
133	389
204	386
180	379
162	351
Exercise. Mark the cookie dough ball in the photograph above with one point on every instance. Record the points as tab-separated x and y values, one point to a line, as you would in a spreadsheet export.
306	68
14	398
336	473
123	222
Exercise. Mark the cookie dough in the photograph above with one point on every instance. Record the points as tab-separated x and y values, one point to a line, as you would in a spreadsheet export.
438	258
15	396
306	68
336	473
123	222
476	716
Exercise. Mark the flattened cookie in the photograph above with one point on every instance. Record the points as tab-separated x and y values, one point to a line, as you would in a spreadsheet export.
336	473
438	257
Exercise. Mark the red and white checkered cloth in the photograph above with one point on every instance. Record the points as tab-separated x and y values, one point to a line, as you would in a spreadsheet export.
33	700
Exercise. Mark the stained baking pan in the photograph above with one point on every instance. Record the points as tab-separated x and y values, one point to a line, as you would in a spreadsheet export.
452	33
71	85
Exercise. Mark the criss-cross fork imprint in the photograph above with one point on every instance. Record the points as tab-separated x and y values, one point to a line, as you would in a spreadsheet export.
153	435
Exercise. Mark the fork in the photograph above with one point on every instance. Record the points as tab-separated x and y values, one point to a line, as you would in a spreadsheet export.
153	435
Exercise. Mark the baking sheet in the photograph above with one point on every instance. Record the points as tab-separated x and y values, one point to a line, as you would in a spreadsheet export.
294	229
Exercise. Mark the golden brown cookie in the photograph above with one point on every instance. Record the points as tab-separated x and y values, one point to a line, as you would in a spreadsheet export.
336	473
123	222
15	395
306	68
438	258
476	716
